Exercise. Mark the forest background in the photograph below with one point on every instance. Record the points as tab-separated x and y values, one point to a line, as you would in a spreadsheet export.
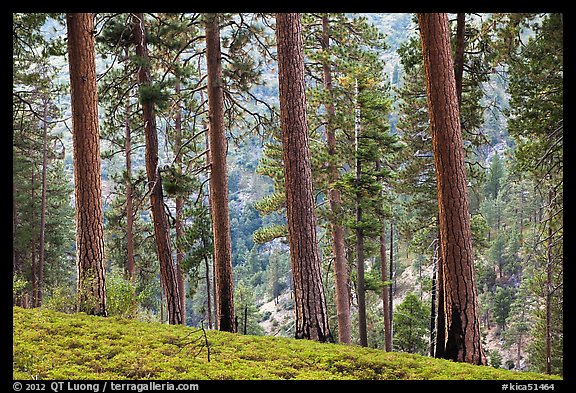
512	126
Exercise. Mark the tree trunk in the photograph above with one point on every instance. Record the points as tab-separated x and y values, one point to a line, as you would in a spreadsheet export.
385	292
161	228
16	266
360	287
433	301
219	179
179	207
33	241
549	283
459	58
130	260
440	312
391	289
338	246
40	287
463	340
207	267
87	180
310	302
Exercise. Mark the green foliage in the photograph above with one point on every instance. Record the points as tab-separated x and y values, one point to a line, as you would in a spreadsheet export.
503	298
121	299
495	358
62	299
411	323
50	345
266	234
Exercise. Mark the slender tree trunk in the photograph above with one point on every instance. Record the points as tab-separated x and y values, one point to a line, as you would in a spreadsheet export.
391	289
245	320
518	352
310	302
40	288
209	165
459	58
130	259
360	287
548	303
463	341
440	311
16	266
219	179
207	267
161	229
33	242
385	292
338	246
433	301
179	207
87	179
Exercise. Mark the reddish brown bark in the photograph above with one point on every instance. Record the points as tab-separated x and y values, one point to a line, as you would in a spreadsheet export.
161	228
462	331
219	179
310	303
338	245
87	179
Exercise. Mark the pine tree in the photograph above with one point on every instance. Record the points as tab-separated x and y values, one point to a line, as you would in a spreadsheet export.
310	303
219	179
161	228
87	180
462	340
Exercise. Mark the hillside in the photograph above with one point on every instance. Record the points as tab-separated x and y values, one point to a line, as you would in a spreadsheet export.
52	345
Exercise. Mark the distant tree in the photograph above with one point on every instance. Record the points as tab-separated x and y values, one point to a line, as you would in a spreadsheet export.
310	302
411	325
91	273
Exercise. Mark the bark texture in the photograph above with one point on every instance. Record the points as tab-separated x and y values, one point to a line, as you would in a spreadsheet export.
87	180
310	302
462	330
337	230
219	180
161	228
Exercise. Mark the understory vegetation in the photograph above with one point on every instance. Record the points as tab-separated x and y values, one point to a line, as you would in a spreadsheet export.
53	345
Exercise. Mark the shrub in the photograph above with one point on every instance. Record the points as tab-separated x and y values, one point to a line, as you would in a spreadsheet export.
61	298
121	297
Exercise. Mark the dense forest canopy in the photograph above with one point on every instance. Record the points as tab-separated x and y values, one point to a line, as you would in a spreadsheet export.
338	177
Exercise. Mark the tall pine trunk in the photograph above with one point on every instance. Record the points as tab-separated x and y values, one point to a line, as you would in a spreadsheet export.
33	240
130	259
42	251
462	330
87	180
310	302
219	179
179	207
161	228
338	245
360	287
385	292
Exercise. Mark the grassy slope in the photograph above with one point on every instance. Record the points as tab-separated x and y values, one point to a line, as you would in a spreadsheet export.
51	345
